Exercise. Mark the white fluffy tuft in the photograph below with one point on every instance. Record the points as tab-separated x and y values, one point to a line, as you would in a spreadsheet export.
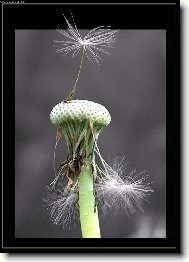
120	190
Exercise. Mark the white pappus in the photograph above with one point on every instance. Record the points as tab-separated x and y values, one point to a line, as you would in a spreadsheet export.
97	40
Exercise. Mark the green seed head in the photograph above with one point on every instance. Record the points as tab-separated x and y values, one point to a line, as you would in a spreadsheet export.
80	110
81	122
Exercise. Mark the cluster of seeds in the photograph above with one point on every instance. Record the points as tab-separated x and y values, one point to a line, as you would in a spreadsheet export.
79	110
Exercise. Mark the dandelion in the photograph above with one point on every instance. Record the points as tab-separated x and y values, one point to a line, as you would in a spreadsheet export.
80	186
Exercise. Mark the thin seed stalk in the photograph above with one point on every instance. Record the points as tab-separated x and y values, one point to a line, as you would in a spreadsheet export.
72	93
88	212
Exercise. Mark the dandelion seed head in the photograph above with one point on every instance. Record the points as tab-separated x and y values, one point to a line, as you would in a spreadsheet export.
95	42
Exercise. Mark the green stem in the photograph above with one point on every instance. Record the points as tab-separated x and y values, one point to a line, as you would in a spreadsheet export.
88	213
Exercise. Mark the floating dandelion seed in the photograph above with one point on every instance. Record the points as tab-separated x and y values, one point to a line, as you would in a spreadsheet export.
97	40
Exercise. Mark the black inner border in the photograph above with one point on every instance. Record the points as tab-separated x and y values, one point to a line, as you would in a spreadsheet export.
122	17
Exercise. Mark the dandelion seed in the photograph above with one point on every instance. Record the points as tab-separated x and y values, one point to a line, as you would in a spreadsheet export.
118	190
96	41
63	208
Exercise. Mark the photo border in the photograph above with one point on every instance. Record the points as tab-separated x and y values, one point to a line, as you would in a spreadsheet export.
149	16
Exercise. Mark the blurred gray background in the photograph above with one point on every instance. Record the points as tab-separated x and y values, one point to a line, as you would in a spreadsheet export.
131	84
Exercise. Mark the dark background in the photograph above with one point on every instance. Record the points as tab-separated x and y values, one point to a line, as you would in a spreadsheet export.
131	85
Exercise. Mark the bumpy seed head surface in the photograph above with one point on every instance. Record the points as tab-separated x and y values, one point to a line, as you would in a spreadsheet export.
79	110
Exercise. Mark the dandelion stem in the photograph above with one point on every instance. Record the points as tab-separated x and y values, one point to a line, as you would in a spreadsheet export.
88	216
72	93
